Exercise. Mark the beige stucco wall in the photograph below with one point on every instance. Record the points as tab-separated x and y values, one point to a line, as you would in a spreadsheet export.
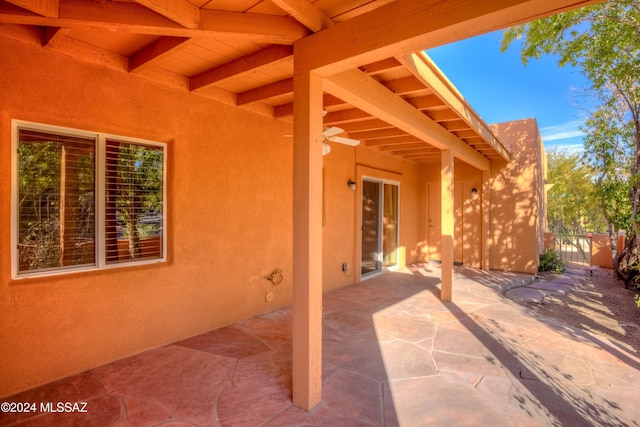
229	210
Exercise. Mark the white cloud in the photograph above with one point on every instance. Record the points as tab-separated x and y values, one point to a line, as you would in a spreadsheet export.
561	131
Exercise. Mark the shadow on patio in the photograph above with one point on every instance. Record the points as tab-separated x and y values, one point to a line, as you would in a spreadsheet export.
393	354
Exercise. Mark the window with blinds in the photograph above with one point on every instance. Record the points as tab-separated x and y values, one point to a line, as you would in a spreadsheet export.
85	200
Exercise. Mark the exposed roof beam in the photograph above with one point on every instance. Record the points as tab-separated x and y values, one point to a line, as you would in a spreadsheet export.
376	134
428	102
342	116
287	109
246	64
392	141
416	145
134	18
160	48
407	26
305	12
47	8
366	93
423	68
180	11
467	134
455	125
443	115
52	35
267	91
381	66
405	85
365	125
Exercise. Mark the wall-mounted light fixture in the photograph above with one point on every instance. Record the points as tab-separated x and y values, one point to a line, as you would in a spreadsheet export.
351	184
474	192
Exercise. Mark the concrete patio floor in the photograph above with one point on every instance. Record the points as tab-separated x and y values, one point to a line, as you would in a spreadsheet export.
393	354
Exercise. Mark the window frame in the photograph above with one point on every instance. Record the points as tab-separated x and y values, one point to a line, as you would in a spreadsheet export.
100	199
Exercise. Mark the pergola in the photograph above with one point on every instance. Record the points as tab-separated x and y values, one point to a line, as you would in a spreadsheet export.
293	60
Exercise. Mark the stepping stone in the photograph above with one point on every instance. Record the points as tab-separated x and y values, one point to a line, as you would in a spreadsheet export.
564	281
552	288
526	295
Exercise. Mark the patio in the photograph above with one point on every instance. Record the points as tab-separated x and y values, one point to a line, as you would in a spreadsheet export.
393	354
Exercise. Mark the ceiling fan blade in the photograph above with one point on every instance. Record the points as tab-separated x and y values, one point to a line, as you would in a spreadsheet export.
326	148
347	141
332	131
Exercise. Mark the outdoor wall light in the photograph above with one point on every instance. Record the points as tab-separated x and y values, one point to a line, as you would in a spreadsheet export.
351	185
474	193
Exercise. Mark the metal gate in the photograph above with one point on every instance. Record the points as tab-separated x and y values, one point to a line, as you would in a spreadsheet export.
574	249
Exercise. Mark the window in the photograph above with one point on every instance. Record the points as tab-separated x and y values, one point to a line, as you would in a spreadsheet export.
85	200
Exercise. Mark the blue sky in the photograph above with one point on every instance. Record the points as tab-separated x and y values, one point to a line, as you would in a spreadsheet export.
501	88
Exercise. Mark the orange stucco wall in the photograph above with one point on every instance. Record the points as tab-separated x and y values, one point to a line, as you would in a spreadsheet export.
467	211
518	199
229	211
516	217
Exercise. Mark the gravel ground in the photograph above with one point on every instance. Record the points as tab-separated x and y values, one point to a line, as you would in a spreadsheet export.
600	305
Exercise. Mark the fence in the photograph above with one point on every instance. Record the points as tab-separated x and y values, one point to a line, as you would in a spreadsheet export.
574	249
593	249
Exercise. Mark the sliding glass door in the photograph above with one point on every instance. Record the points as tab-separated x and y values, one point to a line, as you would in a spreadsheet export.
380	223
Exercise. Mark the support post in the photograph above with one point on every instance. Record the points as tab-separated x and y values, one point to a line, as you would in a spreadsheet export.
485	237
447	223
307	240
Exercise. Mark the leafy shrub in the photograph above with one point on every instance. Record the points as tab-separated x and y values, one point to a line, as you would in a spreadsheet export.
550	261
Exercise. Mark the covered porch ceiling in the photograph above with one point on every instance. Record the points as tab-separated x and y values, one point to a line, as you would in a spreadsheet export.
241	52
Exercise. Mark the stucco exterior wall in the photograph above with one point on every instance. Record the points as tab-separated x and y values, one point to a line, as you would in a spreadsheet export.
467	211
229	211
518	199
229	221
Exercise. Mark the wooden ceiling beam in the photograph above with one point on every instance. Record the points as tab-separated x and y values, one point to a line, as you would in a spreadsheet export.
409	151
159	49
372	124
400	147
180	11
364	92
52	35
345	116
443	115
406	26
48	8
285	110
377	134
134	18
455	125
392	141
279	88
428	102
422	157
383	66
470	133
306	13
247	64
427	72
405	85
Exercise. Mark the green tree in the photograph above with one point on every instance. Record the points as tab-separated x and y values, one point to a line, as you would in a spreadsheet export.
571	205
603	41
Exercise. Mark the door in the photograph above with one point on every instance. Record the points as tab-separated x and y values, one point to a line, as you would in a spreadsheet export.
380	222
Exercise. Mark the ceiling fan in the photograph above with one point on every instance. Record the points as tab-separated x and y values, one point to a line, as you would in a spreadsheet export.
331	134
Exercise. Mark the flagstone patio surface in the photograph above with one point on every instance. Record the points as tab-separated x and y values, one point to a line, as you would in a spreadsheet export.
393	355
